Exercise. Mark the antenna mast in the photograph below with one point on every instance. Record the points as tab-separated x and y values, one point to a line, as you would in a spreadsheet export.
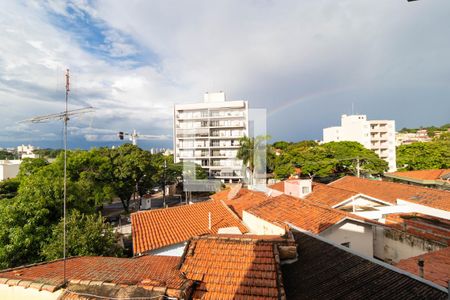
65	117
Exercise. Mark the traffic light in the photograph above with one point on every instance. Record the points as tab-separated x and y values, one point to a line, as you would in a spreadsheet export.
120	134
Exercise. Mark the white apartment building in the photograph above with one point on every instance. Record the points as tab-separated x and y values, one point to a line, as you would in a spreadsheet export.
208	134
26	151
376	135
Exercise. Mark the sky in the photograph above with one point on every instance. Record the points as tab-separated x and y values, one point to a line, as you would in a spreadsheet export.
305	62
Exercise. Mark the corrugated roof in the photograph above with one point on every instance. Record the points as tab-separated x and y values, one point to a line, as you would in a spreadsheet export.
324	271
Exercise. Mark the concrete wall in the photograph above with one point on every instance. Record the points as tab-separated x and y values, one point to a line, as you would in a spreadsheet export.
259	226
172	250
393	245
358	234
9	169
18	292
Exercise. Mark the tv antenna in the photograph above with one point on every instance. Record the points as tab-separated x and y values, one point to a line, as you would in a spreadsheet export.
64	116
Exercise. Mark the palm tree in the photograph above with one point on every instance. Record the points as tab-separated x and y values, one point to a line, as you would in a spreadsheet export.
249	152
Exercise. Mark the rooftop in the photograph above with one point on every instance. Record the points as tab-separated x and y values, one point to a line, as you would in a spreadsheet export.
159	228
310	216
436	266
422	175
329	195
233	268
147	271
327	271
390	191
244	199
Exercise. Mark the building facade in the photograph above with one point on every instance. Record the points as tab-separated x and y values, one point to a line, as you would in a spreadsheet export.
376	135
208	134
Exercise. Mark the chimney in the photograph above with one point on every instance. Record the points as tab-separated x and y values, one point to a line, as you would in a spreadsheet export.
298	188
420	263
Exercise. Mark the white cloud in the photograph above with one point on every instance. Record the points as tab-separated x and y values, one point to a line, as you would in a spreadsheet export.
159	53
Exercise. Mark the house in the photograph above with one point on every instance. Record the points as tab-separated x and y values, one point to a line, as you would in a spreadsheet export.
147	277
165	231
399	197
275	214
436	178
433	266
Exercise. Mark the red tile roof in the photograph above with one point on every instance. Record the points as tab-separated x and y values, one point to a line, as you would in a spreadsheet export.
230	268
305	214
148	271
159	228
279	186
434	174
436	266
390	191
329	195
245	201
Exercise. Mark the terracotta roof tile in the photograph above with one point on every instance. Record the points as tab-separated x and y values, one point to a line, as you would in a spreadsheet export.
246	201
329	195
434	174
155	229
159	270
436	266
390	191
310	216
232	268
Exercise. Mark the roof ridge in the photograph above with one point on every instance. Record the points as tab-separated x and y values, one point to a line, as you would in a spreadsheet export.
232	213
42	263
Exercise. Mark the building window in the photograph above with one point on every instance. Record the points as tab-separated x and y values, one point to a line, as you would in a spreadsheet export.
305	190
346	244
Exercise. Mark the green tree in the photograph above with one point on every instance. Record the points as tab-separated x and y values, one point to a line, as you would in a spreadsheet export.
5	155
8	188
129	165
249	152
86	235
30	166
423	156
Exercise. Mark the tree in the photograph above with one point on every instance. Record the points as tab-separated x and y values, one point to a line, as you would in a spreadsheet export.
30	166
251	158
330	159
422	156
86	235
129	165
8	188
4	155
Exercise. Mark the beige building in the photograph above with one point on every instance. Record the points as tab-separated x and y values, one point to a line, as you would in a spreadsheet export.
376	135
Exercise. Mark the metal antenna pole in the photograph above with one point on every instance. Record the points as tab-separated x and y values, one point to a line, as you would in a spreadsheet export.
66	118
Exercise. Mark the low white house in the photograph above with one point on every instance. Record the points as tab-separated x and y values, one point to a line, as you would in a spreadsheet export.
9	169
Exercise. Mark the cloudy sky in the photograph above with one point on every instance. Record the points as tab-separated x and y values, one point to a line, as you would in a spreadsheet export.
306	62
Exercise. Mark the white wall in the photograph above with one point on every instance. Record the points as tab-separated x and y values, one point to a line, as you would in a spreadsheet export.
358	234
393	245
19	293
259	226
9	169
426	210
172	250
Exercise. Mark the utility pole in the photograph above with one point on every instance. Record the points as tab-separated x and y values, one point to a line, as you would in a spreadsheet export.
358	169
164	183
